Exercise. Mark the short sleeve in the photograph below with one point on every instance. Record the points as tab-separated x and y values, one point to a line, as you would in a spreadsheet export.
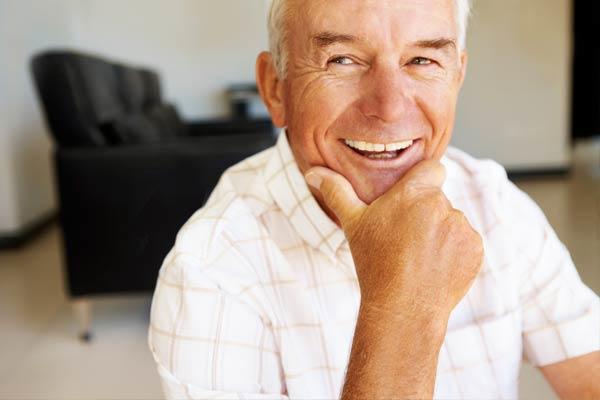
207	343
560	314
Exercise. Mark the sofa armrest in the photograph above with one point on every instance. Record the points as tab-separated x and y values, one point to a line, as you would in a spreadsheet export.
121	207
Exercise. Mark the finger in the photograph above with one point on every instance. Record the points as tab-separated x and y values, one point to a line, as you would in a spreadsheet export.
426	176
337	193
425	173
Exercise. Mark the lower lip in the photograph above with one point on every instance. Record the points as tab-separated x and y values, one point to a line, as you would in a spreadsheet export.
406	156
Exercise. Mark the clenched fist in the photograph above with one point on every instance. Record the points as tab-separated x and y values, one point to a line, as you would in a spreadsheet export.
412	250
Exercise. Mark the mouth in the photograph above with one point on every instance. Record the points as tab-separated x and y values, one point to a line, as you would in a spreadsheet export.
380	151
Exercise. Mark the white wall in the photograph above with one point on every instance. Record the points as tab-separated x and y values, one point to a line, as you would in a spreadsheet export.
514	106
25	174
515	103
198	46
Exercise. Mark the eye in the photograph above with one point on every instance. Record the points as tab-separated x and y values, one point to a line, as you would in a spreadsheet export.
421	61
342	60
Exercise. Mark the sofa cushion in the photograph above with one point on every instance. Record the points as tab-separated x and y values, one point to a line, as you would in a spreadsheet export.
85	97
134	128
78	93
167	118
152	93
131	88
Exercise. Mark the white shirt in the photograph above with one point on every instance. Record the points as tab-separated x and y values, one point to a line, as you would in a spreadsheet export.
258	298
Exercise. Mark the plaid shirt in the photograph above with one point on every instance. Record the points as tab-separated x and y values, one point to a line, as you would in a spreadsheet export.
258	298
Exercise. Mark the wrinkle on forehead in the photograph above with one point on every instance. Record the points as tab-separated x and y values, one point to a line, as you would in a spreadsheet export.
376	16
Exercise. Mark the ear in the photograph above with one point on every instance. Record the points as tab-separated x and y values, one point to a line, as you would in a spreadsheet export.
270	88
464	60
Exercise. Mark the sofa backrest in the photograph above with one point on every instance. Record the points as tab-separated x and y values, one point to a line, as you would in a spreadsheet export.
89	101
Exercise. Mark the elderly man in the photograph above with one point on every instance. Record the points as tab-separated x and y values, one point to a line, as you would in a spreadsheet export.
361	257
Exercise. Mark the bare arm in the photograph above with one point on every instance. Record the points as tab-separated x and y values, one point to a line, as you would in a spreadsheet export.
393	357
575	378
415	258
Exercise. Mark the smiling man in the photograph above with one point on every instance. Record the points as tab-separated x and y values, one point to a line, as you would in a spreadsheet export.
361	257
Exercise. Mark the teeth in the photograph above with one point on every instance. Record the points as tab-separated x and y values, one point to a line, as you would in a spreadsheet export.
378	147
398	146
382	156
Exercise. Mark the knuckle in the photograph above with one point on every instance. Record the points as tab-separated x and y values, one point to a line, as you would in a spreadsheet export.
457	220
437	199
477	238
439	169
432	165
457	215
477	249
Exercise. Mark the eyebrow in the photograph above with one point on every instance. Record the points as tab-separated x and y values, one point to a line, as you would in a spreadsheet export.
328	38
437	44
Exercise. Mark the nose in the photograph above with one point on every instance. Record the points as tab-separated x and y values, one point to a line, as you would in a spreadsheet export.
386	94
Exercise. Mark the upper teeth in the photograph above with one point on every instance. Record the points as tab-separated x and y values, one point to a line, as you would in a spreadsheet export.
378	147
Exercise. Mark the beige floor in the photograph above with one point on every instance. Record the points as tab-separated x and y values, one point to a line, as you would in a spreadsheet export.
42	359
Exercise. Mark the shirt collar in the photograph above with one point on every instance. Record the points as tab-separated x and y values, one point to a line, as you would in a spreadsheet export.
290	192
288	188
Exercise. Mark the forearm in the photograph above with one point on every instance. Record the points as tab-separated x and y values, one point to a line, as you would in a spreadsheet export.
415	257
393	357
575	378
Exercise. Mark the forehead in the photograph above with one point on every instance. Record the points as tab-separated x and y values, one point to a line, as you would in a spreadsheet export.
376	20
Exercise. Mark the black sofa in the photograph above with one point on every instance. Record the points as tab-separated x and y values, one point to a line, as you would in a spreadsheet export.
129	171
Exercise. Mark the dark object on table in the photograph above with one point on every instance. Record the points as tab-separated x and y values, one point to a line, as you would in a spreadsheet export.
243	99
129	171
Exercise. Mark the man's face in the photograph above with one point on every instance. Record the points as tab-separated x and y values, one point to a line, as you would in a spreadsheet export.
383	72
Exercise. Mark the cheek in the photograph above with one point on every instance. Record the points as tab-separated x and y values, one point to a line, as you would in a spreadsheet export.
438	106
315	107
319	99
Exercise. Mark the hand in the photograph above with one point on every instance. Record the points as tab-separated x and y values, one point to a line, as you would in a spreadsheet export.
413	252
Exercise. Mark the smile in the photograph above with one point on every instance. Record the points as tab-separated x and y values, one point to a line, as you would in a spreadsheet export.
379	151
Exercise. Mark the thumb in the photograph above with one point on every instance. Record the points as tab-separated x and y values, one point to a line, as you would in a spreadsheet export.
337	193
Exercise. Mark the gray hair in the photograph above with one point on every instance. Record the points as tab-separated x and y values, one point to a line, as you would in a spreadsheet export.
278	31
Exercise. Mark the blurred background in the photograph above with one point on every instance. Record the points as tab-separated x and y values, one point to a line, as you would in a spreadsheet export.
117	117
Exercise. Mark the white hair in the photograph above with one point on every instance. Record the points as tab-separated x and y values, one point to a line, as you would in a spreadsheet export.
278	30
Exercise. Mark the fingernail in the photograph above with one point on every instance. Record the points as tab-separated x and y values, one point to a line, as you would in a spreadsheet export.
314	179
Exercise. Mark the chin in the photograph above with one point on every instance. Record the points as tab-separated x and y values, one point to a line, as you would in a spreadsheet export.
370	193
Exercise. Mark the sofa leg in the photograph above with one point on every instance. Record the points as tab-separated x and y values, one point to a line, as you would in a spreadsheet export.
83	313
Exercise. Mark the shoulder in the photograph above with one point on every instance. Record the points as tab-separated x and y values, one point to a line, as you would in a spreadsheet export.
473	171
232	212
217	244
494	205
473	183
509	221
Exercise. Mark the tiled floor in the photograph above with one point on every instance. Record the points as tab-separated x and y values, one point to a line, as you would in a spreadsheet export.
573	208
42	359
41	356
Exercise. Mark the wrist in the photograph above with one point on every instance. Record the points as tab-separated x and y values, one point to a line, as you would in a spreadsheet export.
429	322
394	353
